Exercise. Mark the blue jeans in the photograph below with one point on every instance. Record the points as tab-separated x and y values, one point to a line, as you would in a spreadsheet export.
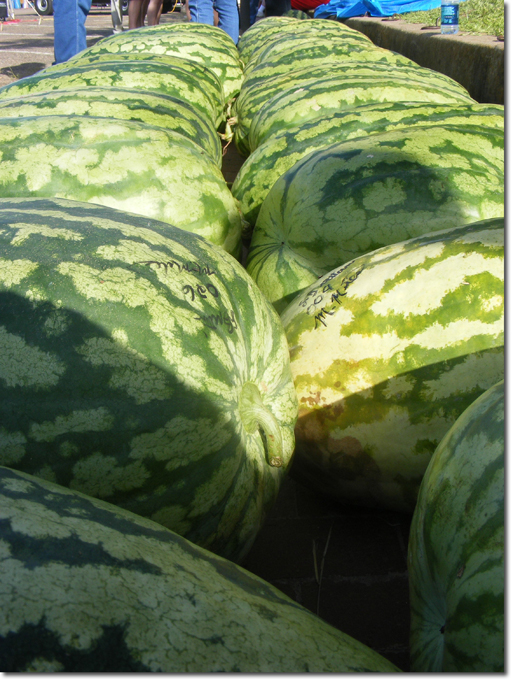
69	31
253	9
202	11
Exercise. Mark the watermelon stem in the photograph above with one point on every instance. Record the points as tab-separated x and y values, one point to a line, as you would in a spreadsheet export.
256	416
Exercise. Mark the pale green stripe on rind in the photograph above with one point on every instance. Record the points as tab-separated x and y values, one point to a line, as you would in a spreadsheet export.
144	336
386	352
278	153
120	164
121	103
456	547
119	593
350	198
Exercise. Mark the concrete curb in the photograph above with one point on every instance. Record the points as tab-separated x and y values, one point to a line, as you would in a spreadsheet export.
476	62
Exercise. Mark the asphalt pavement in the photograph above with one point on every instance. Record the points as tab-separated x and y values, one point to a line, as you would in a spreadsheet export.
26	39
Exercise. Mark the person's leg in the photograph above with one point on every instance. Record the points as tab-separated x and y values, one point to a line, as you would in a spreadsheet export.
159	13
134	13
116	15
228	11
144	10
253	9
202	11
154	11
276	8
69	17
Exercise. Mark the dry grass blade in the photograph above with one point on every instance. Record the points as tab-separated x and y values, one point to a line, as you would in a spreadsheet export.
319	575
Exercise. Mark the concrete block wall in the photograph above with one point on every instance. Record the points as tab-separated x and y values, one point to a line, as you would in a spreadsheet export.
476	62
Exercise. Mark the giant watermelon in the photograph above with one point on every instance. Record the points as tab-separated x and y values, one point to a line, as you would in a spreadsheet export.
344	91
140	364
129	104
126	165
274	97
276	154
88	587
456	547
180	78
206	45
272	30
386	352
350	198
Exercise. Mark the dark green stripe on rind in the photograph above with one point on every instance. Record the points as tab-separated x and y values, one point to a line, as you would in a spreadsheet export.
125	346
456	547
274	155
125	104
120	164
386	352
134	597
350	198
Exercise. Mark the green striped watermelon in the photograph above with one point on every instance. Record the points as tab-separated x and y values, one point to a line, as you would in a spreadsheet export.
207	45
205	77
456	547
88	587
272	102
273	29
350	198
313	100
141	365
121	164
278	153
178	78
122	103
386	352
297	14
297	51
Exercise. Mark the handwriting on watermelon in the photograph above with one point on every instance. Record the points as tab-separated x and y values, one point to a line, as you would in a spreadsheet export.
217	320
201	290
326	295
189	266
213	321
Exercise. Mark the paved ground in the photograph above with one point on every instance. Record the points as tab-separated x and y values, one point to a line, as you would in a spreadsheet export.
26	43
362	585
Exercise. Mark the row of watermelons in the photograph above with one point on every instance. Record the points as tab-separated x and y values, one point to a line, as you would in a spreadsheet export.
142	366
130	123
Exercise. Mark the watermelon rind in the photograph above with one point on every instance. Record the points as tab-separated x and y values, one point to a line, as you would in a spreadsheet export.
297	51
351	198
127	104
211	48
129	349
386	352
87	587
456	559
125	165
270	101
183	79
274	29
276	154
